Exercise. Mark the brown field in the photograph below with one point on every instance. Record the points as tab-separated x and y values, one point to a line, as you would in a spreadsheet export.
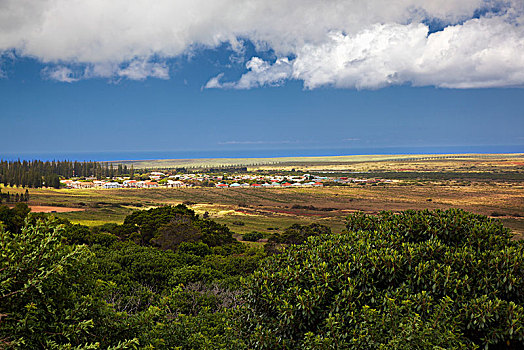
48	209
260	209
441	162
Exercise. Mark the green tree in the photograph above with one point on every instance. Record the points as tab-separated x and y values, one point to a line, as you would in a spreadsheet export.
414	280
46	288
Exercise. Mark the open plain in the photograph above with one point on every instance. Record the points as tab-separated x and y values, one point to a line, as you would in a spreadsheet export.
492	186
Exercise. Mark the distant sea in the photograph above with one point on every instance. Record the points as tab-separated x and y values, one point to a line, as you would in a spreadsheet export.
142	155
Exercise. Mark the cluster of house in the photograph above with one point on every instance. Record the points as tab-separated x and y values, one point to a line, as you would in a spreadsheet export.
347	180
158	179
109	184
272	184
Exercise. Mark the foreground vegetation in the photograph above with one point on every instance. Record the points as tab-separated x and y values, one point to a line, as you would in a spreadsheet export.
169	278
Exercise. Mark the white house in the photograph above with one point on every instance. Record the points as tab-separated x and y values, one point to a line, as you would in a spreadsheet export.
112	185
130	183
171	183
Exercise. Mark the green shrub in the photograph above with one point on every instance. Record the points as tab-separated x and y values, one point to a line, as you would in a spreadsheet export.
49	297
199	248
416	280
252	236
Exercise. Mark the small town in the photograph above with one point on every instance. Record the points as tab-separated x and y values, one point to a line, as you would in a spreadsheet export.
159	179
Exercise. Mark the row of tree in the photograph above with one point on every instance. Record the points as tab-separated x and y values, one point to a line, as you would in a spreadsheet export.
39	173
14	198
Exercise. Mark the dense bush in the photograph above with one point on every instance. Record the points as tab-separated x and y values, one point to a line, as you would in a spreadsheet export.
65	286
166	227
416	280
252	236
297	234
413	280
48	296
13	219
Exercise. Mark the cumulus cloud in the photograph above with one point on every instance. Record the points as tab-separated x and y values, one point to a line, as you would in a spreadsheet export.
341	43
134	70
478	53
260	73
140	70
214	83
60	73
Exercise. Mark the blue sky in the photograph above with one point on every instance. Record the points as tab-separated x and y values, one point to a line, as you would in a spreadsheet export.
357	85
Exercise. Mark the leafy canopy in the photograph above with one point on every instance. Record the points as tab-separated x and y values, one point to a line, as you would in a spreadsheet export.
414	280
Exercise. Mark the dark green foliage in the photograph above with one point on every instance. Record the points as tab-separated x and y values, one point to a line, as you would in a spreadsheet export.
38	173
297	234
148	222
57	292
417	280
252	236
169	226
414	280
455	227
198	249
48	296
80	234
13	219
215	234
195	273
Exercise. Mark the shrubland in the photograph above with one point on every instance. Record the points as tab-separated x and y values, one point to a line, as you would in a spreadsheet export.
167	278
414	280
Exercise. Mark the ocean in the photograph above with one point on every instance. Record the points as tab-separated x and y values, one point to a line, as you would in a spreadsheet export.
267	153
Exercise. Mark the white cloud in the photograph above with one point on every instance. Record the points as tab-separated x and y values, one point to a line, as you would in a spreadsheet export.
479	53
140	70
134	70
343	43
60	73
214	83
260	73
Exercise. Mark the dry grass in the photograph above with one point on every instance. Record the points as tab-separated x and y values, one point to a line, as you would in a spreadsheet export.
245	210
259	209
355	163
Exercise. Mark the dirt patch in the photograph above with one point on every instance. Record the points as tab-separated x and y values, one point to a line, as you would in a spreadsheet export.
49	209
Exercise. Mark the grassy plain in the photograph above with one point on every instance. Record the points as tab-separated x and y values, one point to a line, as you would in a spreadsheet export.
261	209
273	209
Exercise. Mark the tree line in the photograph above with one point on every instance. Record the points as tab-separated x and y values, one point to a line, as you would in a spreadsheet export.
14	198
37	173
